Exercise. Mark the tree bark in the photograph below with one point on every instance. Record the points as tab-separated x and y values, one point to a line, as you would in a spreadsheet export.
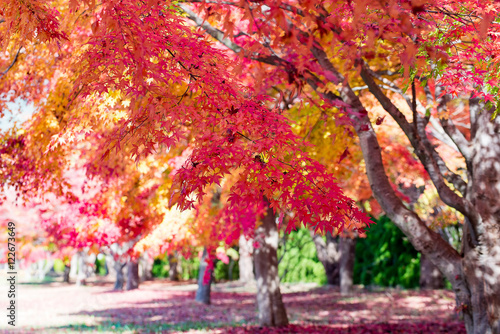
347	256
203	292
174	266
230	269
245	263
145	266
484	193
67	270
269	301
81	270
459	271
329	255
430	276
132	275
120	278
475	312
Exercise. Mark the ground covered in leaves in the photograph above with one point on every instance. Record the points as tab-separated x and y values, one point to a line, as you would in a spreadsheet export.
161	307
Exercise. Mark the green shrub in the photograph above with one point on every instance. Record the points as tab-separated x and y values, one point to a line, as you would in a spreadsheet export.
160	267
58	266
221	270
299	261
386	257
100	265
190	268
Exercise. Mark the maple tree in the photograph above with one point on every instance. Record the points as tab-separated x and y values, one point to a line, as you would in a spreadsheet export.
131	68
136	78
445	53
229	121
31	242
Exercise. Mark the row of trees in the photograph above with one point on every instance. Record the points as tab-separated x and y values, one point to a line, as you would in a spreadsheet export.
151	113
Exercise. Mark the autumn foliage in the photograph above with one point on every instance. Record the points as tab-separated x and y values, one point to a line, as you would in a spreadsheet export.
211	106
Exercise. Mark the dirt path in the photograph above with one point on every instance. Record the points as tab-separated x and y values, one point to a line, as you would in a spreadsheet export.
161	306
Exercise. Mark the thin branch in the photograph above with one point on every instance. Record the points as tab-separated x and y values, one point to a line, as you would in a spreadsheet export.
449	127
12	64
433	163
414	105
212	31
282	5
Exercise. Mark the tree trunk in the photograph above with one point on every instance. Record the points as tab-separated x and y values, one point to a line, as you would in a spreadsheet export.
145	268
67	270
430	276
484	193
269	301
120	278
81	270
329	255
174	266
44	267
132	275
230	269
245	263
459	271
203	292
106	267
347	248
474	311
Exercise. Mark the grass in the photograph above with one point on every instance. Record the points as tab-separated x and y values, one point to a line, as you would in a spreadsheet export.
117	327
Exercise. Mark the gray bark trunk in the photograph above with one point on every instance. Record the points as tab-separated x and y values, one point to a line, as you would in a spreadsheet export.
120	278
422	238
145	268
329	255
81	270
347	256
269	301
203	292
476	286
245	263
484	193
475	312
230	269
430	276
174	266
132	275
67	270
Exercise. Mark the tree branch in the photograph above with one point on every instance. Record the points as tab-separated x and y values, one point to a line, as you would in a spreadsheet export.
433	163
424	239
449	127
212	31
12	64
437	131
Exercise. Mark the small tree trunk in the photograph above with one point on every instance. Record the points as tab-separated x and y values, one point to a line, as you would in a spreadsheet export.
44	267
81	270
120	278
329	255
132	275
146	266
269	301
106	267
347	255
430	276
67	269
245	263
203	292
174	266
230	269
